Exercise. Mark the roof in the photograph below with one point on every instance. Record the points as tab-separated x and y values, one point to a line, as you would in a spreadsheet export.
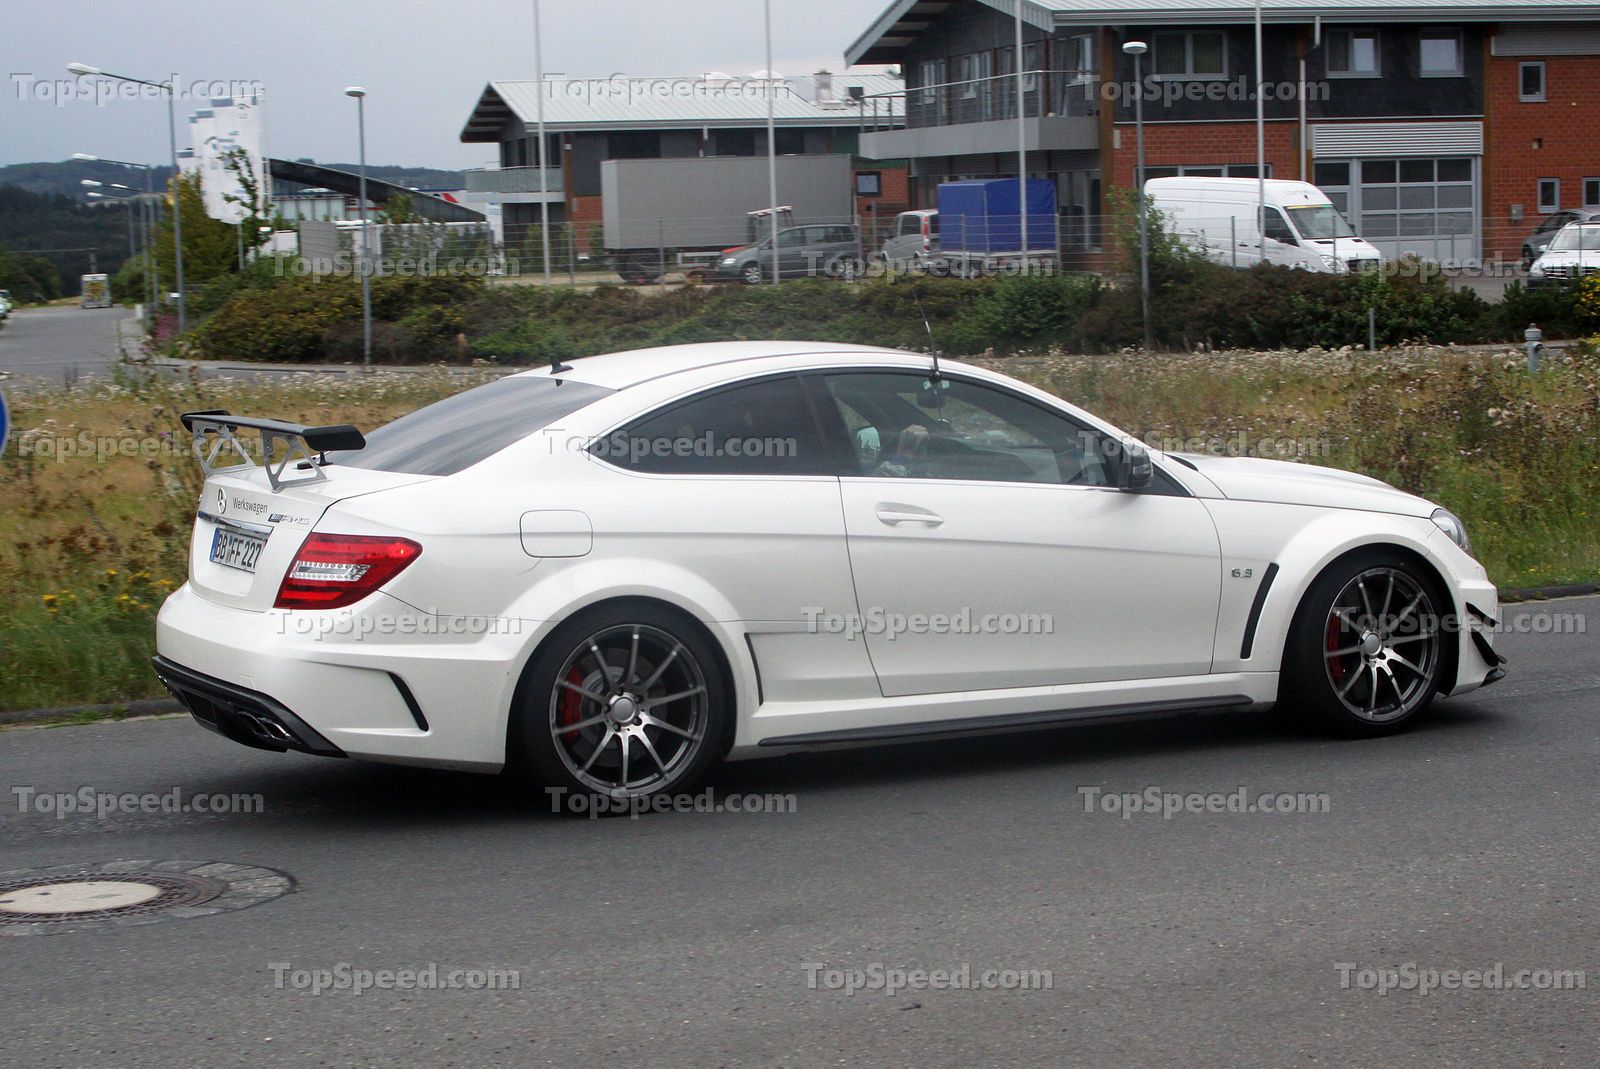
618	371
905	19
623	103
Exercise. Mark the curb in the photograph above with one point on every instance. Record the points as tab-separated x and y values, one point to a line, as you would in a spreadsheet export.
1545	593
120	710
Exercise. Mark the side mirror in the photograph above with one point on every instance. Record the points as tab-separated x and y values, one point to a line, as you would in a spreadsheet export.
1134	470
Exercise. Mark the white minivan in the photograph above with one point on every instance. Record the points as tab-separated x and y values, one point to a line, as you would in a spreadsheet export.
1220	217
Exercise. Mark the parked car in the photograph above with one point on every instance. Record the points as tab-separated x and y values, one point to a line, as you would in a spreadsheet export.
609	576
1552	225
1222	218
5	304
832	250
1570	255
914	244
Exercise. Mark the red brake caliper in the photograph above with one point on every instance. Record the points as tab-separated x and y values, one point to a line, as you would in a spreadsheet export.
1336	668
569	710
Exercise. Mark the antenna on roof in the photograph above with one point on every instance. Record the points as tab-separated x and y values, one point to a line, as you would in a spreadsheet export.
933	344
556	366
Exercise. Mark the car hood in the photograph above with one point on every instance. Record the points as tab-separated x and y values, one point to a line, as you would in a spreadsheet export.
1587	257
1285	483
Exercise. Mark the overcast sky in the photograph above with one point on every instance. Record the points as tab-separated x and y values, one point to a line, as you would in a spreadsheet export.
423	62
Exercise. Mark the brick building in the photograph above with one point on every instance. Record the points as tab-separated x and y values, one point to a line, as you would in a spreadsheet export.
1441	128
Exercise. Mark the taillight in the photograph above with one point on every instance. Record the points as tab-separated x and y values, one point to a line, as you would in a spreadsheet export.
332	571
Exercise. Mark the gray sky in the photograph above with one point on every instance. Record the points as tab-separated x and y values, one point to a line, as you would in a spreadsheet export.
423	63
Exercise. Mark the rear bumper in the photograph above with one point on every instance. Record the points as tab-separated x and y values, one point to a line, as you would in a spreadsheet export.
245	716
389	683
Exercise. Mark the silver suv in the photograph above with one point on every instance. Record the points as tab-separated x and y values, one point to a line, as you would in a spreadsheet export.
832	250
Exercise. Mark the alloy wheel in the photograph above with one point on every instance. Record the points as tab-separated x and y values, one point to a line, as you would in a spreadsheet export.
1381	645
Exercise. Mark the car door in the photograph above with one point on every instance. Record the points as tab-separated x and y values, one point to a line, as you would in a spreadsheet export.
793	250
731	493
990	549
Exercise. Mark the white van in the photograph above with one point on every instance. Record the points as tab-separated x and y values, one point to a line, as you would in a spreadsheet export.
1219	217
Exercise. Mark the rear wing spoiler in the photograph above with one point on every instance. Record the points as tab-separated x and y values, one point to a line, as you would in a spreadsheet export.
282	444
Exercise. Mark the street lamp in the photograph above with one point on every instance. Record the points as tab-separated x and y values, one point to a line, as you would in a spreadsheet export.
1137	49
171	90
152	292
539	158
360	95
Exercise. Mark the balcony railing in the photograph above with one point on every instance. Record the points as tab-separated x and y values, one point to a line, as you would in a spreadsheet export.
1046	94
512	180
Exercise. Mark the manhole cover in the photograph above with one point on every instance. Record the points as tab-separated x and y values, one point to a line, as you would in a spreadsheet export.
119	893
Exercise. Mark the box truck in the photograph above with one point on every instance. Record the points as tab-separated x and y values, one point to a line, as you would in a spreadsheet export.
980	226
96	291
687	211
1223	219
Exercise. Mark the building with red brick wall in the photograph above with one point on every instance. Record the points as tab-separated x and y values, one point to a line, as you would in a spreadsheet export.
1410	116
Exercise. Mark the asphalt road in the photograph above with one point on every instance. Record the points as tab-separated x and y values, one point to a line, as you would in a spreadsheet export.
60	345
1209	939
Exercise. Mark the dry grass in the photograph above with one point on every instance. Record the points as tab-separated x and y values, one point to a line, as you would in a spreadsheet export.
90	543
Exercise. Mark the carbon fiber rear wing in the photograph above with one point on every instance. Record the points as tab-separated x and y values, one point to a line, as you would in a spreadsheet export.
282	444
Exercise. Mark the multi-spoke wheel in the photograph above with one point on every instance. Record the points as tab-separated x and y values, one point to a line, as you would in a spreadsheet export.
1367	649
623	704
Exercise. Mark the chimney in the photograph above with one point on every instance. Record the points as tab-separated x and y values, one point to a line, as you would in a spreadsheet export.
824	80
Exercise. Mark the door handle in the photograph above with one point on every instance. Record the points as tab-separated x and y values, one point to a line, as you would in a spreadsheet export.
894	514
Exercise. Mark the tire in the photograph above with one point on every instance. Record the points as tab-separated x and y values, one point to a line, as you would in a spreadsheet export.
750	274
1366	652
582	726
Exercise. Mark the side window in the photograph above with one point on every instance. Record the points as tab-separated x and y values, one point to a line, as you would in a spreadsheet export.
759	428
1277	228
793	238
908	225
900	425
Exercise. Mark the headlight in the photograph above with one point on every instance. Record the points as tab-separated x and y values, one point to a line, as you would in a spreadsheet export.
1536	271
729	261
1451	525
1330	262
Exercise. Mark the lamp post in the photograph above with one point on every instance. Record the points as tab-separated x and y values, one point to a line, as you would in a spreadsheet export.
539	158
1137	49
147	223
772	144
360	96
1022	144
136	232
171	91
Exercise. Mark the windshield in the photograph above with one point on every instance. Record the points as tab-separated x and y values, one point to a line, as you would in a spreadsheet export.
1319	222
1576	238
459	431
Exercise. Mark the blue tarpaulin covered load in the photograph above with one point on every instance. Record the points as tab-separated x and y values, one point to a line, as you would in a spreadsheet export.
982	216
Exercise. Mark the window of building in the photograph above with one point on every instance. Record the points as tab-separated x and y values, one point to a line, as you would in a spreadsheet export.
931	74
634	145
1441	54
1549	194
1353	54
790	142
1078	57
1199	55
1591	192
1530	82
869	183
736	142
1206	170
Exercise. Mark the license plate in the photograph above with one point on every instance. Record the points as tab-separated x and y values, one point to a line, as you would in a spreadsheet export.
236	549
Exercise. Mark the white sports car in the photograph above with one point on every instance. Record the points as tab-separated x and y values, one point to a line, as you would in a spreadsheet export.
611	575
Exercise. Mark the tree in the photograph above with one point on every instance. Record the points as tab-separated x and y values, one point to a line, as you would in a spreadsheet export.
210	246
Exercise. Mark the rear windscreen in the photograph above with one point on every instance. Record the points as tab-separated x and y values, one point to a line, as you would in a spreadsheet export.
459	431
